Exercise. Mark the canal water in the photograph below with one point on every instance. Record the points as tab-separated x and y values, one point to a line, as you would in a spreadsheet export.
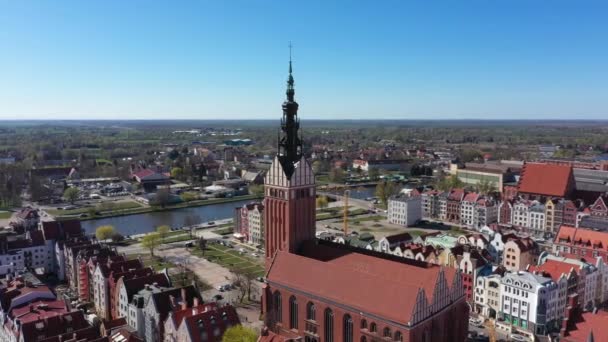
147	222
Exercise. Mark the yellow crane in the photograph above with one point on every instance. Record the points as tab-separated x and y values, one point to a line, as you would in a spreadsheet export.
345	200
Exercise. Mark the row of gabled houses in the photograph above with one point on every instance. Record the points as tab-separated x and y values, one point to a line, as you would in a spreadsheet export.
508	276
470	209
131	301
544	217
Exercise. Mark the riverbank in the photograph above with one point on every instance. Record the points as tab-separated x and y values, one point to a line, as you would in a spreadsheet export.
151	209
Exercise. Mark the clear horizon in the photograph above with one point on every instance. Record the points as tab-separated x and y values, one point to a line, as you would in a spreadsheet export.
474	60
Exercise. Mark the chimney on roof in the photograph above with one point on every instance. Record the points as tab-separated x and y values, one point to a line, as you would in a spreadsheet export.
184	299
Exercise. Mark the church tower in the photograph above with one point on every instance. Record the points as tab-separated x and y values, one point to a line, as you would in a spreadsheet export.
289	187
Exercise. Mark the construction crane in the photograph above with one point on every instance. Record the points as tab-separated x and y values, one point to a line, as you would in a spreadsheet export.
345	200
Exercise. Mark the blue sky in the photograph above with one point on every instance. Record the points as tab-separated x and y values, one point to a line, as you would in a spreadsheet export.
490	59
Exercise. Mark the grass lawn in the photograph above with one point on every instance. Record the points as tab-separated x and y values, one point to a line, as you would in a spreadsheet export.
178	238
5	214
370	218
225	231
230	259
155	262
114	206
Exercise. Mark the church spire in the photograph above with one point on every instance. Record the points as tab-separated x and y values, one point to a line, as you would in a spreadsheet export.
290	143
290	89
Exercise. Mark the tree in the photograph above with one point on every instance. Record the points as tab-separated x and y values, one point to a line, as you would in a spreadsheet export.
71	194
37	190
373	174
257	190
337	175
450	182
117	237
163	196
384	190
239	333
163	231
189	196
244	281
190	221
104	232
151	241
485	186
202	244
177	172
322	202
316	166
173	154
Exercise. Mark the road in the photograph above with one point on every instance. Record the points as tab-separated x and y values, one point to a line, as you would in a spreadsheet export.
212	274
351	201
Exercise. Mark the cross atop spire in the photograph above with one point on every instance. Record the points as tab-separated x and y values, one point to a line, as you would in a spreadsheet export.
290	88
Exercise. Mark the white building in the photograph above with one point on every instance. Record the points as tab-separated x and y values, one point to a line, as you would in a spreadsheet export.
487	295
537	219
531	303
486	212
467	208
255	218
521	214
405	210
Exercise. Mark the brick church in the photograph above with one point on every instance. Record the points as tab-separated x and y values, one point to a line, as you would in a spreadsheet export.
319	291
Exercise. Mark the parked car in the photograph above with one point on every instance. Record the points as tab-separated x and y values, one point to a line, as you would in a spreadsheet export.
518	338
475	321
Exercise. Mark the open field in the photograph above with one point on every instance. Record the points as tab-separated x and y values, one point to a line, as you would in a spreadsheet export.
230	258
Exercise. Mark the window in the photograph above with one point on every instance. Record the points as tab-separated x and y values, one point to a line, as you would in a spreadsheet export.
373	328
363	324
329	325
398	336
293	313
387	332
311	312
277	306
348	329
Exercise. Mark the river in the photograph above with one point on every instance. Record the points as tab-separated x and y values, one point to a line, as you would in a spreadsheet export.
147	222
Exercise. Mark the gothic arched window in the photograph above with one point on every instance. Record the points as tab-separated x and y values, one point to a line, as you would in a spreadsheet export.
329	325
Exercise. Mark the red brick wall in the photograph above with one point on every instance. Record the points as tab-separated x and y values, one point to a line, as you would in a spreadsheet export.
449	325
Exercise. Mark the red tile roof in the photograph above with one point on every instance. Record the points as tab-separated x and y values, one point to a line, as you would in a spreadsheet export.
456	195
553	268
582	237
53	326
590	322
471	197
209	317
545	179
343	275
38	309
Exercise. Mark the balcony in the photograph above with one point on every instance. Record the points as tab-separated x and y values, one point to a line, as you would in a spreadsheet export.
311	328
